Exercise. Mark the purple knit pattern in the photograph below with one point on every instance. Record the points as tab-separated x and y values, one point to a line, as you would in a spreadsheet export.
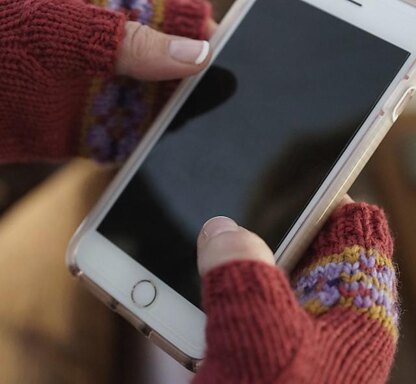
118	109
366	281
141	10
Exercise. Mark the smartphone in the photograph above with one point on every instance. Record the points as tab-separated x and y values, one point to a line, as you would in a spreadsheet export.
298	96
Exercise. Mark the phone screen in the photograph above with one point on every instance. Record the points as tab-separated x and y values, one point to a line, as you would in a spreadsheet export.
255	139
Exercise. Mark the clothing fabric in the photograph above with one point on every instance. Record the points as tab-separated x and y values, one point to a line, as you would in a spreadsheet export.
58	95
336	322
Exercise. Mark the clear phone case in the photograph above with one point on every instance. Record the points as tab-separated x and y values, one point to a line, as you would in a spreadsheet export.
310	222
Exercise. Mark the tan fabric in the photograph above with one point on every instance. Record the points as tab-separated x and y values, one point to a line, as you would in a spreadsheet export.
51	329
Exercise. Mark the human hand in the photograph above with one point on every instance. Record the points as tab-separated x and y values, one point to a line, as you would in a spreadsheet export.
57	57
147	54
335	323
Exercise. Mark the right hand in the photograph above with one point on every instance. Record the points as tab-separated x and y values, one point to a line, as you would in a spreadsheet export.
338	323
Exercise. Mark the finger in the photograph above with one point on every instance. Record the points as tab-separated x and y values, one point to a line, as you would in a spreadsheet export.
246	297
212	27
345	201
221	240
147	54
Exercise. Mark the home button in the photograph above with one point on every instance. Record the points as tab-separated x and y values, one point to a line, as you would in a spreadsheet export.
143	293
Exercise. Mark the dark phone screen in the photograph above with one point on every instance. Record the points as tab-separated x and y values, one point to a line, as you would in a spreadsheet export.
255	139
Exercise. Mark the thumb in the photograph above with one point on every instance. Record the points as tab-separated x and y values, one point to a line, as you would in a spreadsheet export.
250	307
221	240
147	54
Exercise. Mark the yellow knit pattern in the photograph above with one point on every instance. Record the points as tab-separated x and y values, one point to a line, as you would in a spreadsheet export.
158	14
349	255
150	89
375	312
94	89
352	255
99	3
89	119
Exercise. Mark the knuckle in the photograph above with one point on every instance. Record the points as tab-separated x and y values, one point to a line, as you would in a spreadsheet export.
141	42
238	243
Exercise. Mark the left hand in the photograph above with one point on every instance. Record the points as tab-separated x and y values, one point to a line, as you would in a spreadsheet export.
147	54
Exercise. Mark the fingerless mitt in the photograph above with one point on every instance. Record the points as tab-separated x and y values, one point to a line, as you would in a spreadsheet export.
58	96
336	322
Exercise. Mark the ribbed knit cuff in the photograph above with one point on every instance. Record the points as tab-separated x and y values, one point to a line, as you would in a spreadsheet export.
187	18
70	37
251	309
358	224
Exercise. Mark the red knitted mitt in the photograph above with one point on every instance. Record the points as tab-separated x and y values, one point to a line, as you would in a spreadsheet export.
337	323
57	96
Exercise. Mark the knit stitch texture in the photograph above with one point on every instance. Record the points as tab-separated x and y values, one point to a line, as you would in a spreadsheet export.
58	96
338	320
119	111
337	323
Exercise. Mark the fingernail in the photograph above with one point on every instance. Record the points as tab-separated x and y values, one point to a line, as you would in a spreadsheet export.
218	225
189	51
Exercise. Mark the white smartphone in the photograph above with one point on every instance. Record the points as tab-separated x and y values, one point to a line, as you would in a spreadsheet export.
299	95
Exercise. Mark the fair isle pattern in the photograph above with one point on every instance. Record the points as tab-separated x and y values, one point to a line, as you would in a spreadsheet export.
139	10
88	119
357	278
150	88
116	110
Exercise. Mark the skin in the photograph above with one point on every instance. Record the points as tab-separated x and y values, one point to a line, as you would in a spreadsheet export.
144	55
221	240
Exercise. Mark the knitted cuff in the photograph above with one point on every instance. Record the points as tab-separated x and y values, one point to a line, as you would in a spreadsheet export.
69	37
358	224
48	51
251	309
187	18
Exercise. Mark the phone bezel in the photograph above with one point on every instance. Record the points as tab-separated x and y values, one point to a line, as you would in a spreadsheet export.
100	263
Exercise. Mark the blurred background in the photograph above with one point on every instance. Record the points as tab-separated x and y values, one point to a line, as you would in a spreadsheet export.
53	331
